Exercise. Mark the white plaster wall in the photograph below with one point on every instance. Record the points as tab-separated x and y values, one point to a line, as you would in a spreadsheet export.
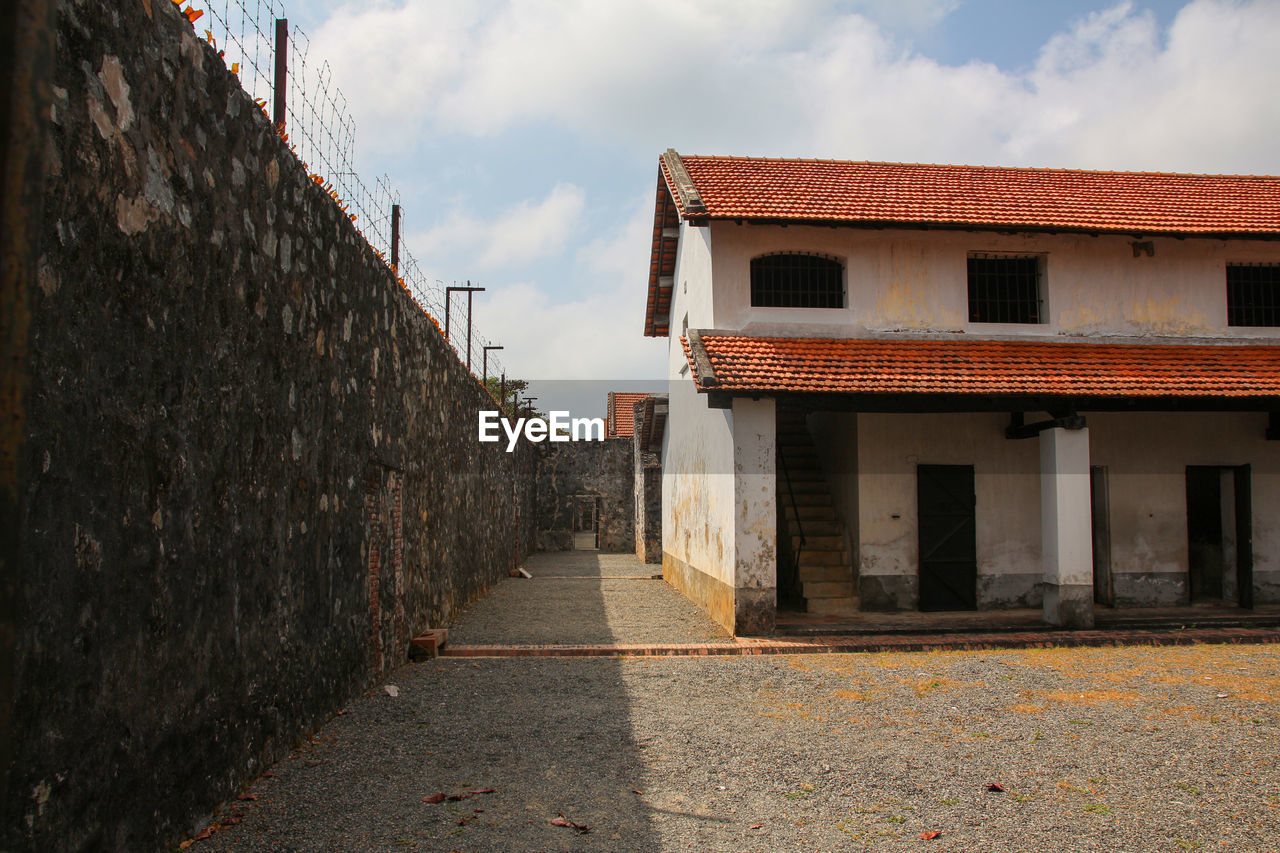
698	451
1146	455
691	290
899	279
755	483
1006	482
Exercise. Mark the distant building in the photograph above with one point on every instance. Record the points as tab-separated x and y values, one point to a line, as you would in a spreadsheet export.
620	421
901	387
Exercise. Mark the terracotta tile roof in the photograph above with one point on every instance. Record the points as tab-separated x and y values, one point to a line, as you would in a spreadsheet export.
621	420
840	191
806	365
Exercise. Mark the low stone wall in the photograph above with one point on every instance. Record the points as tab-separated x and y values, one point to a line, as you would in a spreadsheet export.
597	471
251	465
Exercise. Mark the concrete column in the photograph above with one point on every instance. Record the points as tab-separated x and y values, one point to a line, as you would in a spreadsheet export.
1066	527
755	516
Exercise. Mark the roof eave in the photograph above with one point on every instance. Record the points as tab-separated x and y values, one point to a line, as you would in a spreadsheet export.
999	227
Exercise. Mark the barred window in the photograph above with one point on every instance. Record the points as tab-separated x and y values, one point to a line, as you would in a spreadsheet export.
1005	288
797	281
1253	294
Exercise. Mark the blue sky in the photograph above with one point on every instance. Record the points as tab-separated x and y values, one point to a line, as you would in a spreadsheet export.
523	136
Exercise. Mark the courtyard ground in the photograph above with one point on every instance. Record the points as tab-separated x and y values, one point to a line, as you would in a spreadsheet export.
1131	748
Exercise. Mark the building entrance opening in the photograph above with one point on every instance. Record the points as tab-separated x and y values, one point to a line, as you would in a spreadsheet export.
586	523
1219	534
948	537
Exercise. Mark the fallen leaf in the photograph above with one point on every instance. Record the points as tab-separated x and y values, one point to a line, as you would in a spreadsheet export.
480	791
268	775
462	821
455	797
564	821
233	820
755	826
434	798
204	833
392	690
930	835
994	787
247	796
635	790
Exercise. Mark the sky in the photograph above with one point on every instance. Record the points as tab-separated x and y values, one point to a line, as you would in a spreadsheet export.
523	135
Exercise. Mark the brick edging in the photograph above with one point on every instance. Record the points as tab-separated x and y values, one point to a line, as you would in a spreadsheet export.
884	643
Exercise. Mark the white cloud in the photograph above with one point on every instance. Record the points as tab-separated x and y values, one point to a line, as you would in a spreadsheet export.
524	232
597	336
596	333
812	78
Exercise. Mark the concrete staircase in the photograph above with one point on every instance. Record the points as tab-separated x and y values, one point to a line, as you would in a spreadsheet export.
826	572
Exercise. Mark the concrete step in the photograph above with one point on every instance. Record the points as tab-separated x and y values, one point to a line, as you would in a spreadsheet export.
827	589
815	543
801	474
816	513
809	498
818	528
808	486
798	460
843	606
820	557
835	573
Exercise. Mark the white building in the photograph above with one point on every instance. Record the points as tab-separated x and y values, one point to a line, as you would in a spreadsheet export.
902	387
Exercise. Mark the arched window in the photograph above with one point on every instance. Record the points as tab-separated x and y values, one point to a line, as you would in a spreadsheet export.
797	281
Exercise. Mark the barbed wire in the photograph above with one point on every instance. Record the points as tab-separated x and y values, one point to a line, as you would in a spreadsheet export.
321	132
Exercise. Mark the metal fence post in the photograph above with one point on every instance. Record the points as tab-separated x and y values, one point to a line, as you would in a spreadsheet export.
282	71
395	237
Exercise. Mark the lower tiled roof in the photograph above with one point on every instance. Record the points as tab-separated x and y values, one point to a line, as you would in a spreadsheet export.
967	367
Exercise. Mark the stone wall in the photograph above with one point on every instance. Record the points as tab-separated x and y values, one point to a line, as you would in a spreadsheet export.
251	471
573	470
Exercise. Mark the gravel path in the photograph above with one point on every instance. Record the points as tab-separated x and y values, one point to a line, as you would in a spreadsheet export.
1101	749
583	598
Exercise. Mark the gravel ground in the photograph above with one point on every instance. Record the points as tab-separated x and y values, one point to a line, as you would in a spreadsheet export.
584	598
1097	749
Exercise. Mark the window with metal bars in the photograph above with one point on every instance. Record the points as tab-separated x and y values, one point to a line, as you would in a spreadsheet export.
1005	288
797	281
1253	294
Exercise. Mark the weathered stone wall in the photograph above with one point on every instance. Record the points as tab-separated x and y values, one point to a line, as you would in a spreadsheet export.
573	469
252	466
647	491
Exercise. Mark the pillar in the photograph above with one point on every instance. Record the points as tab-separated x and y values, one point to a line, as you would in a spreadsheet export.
1066	527
755	517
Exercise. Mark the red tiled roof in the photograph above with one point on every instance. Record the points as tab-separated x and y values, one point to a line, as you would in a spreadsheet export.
807	365
622	413
839	191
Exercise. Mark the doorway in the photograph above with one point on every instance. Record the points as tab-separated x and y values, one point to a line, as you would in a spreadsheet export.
1100	512
586	523
1220	534
946	507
